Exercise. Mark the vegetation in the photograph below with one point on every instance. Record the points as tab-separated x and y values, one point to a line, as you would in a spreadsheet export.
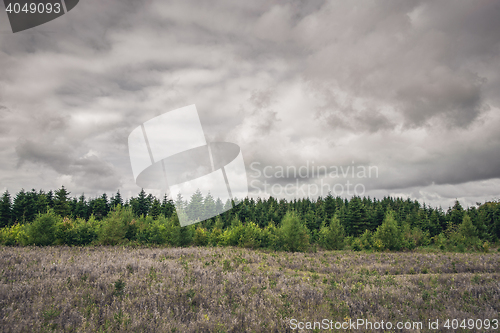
202	289
39	218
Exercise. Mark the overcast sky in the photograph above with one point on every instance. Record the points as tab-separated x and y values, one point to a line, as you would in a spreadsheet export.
411	88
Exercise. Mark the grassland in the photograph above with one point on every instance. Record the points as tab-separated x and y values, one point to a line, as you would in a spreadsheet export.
124	289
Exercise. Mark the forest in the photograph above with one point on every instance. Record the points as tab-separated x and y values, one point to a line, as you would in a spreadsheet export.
331	223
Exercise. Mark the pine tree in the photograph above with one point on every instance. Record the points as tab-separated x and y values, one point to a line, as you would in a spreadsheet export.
61	202
332	235
468	230
209	208
195	207
167	206
388	234
219	206
155	209
456	214
5	210
116	200
82	209
357	217
143	203
19	207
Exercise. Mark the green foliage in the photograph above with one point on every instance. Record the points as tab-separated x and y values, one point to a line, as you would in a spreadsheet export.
43	230
332	236
468	231
14	235
251	236
114	227
61	202
388	234
5	210
200	237
294	232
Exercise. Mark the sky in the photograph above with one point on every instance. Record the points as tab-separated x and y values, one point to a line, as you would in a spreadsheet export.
409	90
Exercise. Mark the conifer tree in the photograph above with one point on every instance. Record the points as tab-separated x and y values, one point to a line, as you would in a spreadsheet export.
61	202
5	210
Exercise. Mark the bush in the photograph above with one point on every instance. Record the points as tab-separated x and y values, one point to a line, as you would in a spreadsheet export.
14	235
294	232
440	241
43	229
331	237
251	236
200	237
114	226
388	233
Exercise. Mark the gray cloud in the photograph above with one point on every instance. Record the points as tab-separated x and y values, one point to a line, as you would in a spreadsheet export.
411	87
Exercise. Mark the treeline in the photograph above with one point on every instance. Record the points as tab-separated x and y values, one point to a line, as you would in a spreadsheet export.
44	218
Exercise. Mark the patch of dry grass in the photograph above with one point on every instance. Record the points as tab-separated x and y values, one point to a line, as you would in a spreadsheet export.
115	289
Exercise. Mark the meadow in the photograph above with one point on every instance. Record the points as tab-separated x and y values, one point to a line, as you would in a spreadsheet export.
233	289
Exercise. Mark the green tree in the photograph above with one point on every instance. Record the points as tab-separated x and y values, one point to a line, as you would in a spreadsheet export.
357	217
43	229
5	210
155	209
167	206
195	209
468	231
61	202
388	234
115	226
294	232
332	235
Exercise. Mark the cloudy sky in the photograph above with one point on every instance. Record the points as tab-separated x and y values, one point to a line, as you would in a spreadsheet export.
411	88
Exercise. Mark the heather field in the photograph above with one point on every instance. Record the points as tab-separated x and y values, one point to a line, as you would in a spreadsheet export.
125	289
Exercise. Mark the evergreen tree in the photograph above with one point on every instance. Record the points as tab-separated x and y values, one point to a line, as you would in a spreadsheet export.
209	207
155	209
357	217
219	206
19	207
195	209
167	206
388	234
116	200
467	229
456	214
61	202
332	235
82	209
142	207
5	210
330	206
295	234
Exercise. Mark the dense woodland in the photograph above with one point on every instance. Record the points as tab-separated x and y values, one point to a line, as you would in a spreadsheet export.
46	218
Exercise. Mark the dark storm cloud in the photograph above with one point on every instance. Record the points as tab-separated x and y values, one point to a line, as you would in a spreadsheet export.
412	87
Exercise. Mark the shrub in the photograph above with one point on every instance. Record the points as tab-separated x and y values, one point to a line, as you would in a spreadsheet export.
158	233
200	236
440	241
357	245
388	232
251	236
114	226
294	232
14	235
43	229
332	236
366	240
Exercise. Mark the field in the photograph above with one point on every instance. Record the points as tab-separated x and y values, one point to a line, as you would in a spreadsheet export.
125	289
